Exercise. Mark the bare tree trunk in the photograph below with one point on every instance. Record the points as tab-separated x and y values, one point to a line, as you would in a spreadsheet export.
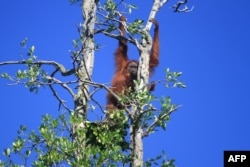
136	145
136	131
84	67
86	58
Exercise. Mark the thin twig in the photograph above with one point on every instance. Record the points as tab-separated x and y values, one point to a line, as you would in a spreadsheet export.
61	101
64	85
177	7
159	118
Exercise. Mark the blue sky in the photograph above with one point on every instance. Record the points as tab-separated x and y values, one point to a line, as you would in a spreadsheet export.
209	45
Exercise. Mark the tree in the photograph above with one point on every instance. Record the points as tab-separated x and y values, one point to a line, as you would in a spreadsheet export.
71	138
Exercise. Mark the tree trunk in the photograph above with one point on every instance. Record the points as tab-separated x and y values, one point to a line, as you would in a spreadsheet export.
136	146
136	131
84	67
86	57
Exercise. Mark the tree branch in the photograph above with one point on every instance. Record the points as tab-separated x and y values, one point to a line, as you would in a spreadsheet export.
61	101
92	98
97	85
118	37
64	85
177	7
155	8
58	66
159	118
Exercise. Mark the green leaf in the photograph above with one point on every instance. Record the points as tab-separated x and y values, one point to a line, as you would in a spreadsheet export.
24	42
6	152
32	49
17	145
5	75
19	74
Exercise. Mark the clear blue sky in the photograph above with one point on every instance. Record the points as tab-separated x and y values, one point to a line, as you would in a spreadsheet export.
209	45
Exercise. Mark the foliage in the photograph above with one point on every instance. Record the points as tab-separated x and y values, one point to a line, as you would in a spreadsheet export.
33	77
160	160
135	26
172	79
54	145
